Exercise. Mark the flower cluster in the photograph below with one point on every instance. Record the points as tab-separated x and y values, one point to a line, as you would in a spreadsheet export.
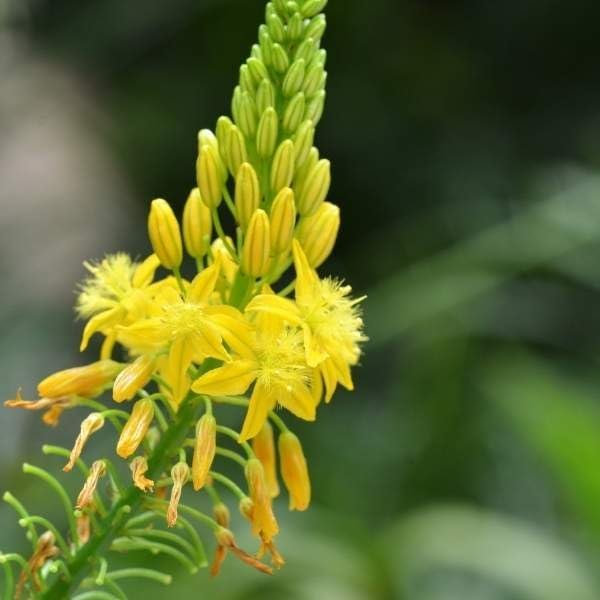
253	325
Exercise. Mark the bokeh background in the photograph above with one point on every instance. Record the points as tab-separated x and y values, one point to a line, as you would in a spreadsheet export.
465	142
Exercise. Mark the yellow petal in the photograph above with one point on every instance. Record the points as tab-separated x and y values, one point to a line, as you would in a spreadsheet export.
144	274
148	334
261	402
133	378
315	354
175	371
306	278
230	379
207	341
103	320
299	401
204	283
342	370
277	306
234	329
329	377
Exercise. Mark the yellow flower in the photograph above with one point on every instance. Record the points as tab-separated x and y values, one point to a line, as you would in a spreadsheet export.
329	318
271	356
189	330
114	293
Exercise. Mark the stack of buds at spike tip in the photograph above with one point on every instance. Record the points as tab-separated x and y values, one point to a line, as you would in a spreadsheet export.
92	423
317	234
134	431
294	470
164	234
180	474
204	450
197	225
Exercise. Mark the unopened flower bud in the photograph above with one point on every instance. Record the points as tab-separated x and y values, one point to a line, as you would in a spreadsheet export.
136	427
294	78
263	519
92	423
180	474
316	28
86	496
295	26
315	188
246	81
246	506
280	59
306	50
312	81
221	514
247	194
317	233
266	45
283	221
266	135
257	70
204	450
294	112
301	174
312	7
276	28
303	141
282	169
165	237
314	109
207	138
294	470
133	378
89	380
265	96
263	446
209	176
224	124
247	115
139	468
257	245
197	225
236	150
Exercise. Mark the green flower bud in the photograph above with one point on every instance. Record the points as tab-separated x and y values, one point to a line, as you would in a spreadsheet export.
320	58
224	124
280	7
311	160
314	109
280	59
236	150
276	28
236	100
306	50
257	69
316	28
209	175
303	141
247	115
266	136
256	53
247	194
283	221
294	78
257	245
266	45
265	96
317	233
294	111
312	81
295	26
246	81
312	193
313	7
282	169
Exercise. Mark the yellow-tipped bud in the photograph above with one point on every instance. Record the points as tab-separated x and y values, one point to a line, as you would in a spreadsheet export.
293	113
224	124
265	96
92	423
86	495
314	190
236	150
136	427
264	523
266	135
313	79
164	233
204	450
263	445
282	169
302	172
294	470
209	176
89	380
294	78
197	225
257	245
139	468
133	378
247	194
317	233
283	221
303	141
180	474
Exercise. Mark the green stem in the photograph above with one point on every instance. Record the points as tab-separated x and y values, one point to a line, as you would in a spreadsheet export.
111	525
143	573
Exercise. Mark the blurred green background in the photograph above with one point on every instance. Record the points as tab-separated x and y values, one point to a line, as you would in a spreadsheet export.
465	143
